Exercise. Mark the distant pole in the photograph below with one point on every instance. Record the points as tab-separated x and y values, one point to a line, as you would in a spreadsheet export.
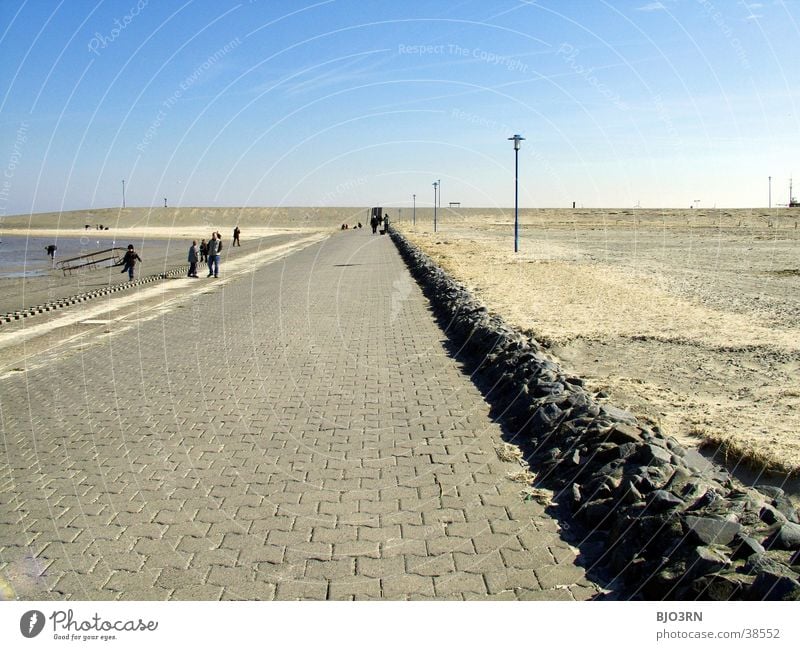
517	139
770	191
435	188
123	192
415	208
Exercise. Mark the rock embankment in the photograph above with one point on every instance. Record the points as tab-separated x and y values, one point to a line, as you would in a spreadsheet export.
673	525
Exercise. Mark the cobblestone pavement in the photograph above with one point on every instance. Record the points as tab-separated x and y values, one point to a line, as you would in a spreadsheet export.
299	433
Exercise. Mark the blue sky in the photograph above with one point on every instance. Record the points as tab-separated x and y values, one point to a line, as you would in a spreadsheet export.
366	103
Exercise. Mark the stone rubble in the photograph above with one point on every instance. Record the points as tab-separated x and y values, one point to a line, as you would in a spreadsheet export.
673	525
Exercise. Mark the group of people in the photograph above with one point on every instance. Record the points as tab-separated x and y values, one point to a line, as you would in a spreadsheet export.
375	222
209	252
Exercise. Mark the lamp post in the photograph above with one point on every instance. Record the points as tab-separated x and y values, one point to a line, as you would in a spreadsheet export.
123	193
435	188
414	196
517	139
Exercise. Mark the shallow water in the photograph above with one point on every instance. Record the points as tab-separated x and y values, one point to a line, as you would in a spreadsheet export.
26	257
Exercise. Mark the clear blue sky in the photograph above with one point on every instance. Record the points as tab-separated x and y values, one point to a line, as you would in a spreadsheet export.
366	103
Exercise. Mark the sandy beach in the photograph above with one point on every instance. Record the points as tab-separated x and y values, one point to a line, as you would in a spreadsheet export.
689	318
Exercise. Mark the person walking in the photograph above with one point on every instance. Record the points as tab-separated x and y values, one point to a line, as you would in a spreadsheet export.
193	256
203	250
129	261
214	249
236	233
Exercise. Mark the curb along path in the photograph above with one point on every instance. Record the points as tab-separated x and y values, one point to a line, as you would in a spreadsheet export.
297	433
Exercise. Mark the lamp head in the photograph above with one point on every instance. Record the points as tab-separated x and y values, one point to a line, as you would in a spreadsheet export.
517	139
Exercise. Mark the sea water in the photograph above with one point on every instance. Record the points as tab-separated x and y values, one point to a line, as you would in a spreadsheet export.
26	257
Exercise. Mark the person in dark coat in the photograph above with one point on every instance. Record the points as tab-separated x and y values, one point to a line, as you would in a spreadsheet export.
194	254
129	261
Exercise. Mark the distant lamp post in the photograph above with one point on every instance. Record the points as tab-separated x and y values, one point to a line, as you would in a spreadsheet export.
165	201
517	139
435	194
123	193
414	196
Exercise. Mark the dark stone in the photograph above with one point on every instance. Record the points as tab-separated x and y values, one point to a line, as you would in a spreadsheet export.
706	469
675	447
786	508
787	538
578	400
770	516
708	530
595	512
744	546
776	583
761	562
655	455
660	500
629	494
618	414
721	586
543	389
679	479
624	433
704	560
770	490
628	449
605	452
545	418
575	381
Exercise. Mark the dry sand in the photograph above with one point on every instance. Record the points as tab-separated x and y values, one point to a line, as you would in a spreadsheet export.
688	318
183	221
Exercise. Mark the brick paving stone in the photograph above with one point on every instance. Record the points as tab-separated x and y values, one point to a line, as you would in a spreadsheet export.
338	568
305	590
430	565
354	588
398	587
456	584
381	568
302	465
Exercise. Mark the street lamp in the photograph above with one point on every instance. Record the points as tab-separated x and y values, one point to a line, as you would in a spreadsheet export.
435	188
123	193
517	139
415	208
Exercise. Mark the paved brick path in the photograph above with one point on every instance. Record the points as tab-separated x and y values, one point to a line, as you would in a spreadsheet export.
299	433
